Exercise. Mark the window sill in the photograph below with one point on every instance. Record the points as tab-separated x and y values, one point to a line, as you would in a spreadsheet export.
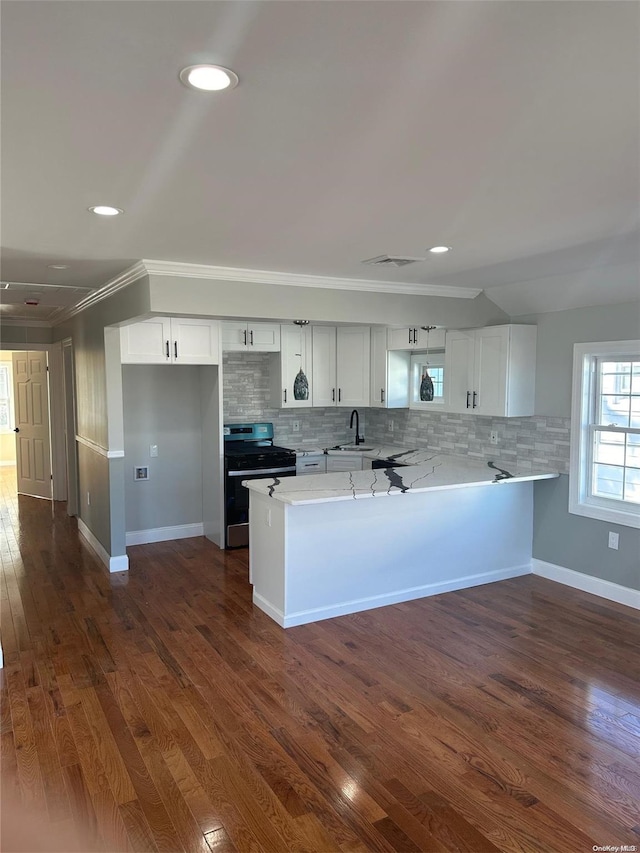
627	518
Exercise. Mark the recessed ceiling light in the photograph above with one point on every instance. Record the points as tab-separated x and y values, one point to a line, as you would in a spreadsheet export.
208	78
105	210
57	266
439	250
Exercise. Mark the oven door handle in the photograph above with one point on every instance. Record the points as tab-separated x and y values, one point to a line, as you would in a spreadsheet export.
261	472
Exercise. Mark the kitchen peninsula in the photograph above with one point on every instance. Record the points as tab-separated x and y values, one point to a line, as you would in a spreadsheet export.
332	544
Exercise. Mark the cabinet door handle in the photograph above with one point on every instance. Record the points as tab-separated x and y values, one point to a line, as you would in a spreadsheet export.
410	335
475	399
285	395
251	336
245	337
468	395
382	395
167	345
339	395
175	349
333	395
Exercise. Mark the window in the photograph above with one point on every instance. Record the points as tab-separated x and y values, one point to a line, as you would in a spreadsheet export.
420	364
605	432
5	398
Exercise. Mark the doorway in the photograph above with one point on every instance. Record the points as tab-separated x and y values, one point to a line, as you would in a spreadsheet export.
59	399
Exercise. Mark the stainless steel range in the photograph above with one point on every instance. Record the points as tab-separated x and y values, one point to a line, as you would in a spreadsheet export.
249	453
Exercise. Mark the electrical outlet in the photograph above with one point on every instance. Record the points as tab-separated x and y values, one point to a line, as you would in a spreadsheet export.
267	518
614	539
493	437
391	426
296	426
153	450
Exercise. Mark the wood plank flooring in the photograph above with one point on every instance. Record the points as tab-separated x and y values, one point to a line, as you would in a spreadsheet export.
159	711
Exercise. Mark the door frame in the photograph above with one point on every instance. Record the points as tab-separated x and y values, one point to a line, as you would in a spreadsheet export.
55	390
70	421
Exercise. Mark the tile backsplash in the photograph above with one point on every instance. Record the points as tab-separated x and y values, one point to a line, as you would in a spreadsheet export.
523	443
246	397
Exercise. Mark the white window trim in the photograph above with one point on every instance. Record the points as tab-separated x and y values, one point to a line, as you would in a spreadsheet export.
580	501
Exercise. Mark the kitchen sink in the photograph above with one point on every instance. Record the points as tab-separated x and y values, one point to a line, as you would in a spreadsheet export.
351	447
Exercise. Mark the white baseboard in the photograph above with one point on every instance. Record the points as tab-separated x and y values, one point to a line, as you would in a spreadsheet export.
587	583
7	464
114	564
302	617
163	534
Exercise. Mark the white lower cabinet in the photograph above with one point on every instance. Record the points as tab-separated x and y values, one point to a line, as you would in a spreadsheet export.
491	371
315	463
344	461
171	340
287	382
341	366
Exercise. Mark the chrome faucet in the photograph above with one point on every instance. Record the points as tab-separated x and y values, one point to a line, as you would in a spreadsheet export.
355	412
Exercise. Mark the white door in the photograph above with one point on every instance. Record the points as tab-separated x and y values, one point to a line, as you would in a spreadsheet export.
324	365
33	454
264	337
490	377
195	341
353	371
458	373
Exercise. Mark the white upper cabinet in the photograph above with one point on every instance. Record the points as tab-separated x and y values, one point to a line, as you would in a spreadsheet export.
415	337
171	340
325	392
491	371
242	336
287	382
341	366
389	373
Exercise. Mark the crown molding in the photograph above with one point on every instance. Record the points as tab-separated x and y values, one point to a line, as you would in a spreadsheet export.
16	321
184	270
124	279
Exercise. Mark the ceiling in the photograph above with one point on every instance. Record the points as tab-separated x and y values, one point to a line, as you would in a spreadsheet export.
509	131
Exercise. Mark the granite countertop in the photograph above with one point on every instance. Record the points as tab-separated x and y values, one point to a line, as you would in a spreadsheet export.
427	470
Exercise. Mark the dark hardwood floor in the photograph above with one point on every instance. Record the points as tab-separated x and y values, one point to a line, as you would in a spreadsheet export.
158	710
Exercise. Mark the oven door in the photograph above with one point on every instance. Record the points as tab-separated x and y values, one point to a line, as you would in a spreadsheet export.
237	502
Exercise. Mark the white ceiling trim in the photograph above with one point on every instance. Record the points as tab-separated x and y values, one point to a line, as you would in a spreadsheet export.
300	280
185	270
137	271
16	321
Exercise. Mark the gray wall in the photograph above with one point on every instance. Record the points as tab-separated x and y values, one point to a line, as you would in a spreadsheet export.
162	405
574	541
26	334
179	295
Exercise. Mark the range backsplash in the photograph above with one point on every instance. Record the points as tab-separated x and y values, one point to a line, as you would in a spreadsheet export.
246	397
524	443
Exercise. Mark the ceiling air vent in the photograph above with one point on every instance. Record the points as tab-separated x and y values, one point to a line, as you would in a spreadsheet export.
388	261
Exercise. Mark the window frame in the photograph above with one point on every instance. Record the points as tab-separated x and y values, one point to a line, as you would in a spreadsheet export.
583	427
436	360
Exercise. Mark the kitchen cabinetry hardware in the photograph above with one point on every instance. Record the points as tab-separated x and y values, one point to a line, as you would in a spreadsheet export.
175	349
285	395
251	336
382	395
475	399
245	336
468	396
168	353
